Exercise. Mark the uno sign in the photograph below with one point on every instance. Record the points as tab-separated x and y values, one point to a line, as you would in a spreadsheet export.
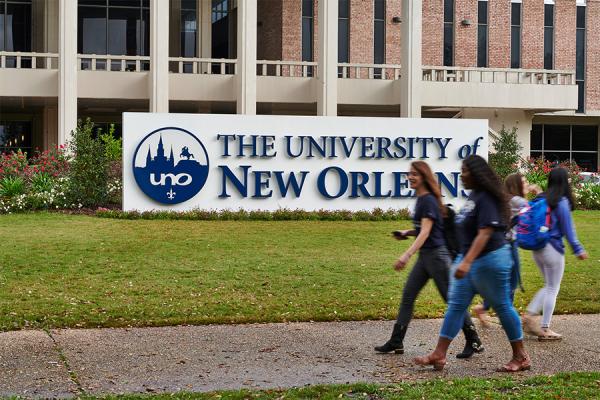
186	161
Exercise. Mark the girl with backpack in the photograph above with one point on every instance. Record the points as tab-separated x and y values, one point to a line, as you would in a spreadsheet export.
483	266
515	185
551	258
433	261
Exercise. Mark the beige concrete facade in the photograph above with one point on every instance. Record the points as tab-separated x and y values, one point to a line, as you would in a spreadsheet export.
269	76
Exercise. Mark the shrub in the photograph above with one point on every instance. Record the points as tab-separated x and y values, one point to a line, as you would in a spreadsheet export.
41	182
113	147
588	196
11	186
89	167
54	162
505	157
14	164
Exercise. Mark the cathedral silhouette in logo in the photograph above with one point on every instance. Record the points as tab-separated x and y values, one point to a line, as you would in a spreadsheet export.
174	178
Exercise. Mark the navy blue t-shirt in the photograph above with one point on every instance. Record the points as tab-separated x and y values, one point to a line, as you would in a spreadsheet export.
427	207
480	211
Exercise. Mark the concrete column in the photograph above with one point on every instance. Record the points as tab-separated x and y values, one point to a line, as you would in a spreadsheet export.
327	16
246	57
67	81
411	74
205	28
159	56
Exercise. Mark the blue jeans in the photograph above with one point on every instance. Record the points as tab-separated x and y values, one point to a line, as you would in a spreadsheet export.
489	276
515	274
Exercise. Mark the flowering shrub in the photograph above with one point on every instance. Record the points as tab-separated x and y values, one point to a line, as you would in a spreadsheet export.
53	162
14	164
588	196
536	171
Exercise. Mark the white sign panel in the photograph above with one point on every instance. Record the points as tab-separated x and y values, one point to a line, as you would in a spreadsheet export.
195	161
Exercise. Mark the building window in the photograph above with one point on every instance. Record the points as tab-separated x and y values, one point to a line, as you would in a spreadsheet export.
548	35
343	34
580	58
515	34
556	143
15	135
114	27
482	33
15	30
188	29
379	36
448	33
308	32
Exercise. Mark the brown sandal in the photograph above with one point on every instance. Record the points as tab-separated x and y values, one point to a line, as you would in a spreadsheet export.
516	365
438	364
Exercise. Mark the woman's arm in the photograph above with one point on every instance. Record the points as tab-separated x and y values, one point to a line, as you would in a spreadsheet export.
482	238
567	228
426	226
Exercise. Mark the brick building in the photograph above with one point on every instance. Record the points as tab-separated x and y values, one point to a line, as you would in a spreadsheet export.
531	64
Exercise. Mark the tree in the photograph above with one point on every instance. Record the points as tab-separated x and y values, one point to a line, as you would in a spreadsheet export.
505	157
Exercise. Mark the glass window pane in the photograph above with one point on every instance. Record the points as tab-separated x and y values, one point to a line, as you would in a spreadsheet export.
91	30
380	9
587	161
344	8
548	15
581	17
92	2
580	54
1	26
307	8
125	3
482	45
124	31
557	137
379	38
556	157
536	137
188	33
15	135
307	36
585	137
448	45
343	45
17	27
145	30
580	96
482	13
535	154
515	14
188	4
515	46
548	48
448	10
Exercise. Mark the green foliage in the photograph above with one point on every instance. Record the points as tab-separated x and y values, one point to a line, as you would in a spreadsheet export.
283	214
88	171
588	196
11	186
41	182
113	147
505	157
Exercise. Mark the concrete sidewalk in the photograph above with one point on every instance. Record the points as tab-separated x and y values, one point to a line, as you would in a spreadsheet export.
66	363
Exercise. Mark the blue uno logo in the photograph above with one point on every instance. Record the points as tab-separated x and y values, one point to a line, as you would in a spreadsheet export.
170	165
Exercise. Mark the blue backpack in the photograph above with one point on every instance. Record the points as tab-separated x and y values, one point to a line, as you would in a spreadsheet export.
533	228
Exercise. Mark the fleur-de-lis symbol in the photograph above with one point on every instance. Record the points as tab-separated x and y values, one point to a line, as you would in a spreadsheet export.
171	194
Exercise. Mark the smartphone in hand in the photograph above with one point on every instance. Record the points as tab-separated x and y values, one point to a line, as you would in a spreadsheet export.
399	235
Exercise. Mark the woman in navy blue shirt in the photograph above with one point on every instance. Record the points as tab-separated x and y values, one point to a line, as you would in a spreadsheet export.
433	261
484	266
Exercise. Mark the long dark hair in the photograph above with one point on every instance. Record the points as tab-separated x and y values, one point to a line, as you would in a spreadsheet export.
514	185
485	179
429	181
558	186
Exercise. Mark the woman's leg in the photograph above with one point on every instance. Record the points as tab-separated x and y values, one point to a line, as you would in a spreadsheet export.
416	280
537	303
492	280
515	276
555	268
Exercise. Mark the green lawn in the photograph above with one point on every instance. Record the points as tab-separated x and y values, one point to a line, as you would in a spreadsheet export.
576	386
77	271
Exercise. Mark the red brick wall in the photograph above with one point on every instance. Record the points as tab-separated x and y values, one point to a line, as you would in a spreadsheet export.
499	34
361	31
291	30
433	32
393	44
592	76
269	31
532	53
565	14
465	37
